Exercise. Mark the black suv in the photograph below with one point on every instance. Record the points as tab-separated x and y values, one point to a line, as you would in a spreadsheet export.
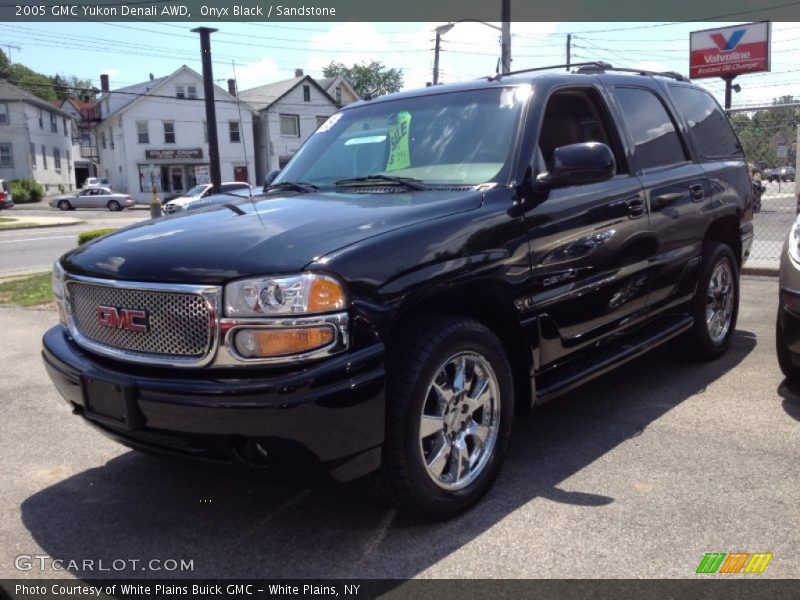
428	264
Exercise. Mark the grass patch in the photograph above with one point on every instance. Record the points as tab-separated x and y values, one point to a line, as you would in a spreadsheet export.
7	219
30	290
88	236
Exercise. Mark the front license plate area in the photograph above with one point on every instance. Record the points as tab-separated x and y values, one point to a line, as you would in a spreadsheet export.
111	404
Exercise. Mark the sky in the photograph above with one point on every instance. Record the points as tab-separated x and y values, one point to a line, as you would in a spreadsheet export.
259	53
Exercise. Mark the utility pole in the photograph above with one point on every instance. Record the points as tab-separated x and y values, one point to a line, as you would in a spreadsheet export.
796	169
436	57
569	50
211	113
728	90
505	52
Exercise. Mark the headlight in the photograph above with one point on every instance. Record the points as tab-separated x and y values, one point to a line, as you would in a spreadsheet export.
309	293
794	241
57	282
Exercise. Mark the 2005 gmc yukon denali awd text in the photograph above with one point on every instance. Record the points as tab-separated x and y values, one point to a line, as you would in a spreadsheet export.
429	265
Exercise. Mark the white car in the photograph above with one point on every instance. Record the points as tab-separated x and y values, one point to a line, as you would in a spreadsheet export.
93	197
198	192
97	182
6	199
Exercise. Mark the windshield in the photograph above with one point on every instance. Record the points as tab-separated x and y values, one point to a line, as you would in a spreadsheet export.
196	190
453	138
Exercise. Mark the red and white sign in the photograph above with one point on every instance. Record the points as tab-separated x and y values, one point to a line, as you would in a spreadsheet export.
730	50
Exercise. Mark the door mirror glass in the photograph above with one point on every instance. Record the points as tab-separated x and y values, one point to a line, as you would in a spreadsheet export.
579	164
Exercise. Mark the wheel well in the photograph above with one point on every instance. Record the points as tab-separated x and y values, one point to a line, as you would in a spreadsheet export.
493	307
726	231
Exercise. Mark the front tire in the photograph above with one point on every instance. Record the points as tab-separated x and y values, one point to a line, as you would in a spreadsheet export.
715	305
449	411
788	368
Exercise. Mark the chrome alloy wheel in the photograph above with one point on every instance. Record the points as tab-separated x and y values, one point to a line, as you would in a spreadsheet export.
719	302
460	421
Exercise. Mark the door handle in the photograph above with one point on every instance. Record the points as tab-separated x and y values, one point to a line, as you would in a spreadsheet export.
666	199
635	207
697	192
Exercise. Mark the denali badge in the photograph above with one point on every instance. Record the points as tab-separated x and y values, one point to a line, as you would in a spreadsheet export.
132	319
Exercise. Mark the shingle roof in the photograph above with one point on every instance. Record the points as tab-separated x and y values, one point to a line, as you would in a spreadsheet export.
9	91
265	95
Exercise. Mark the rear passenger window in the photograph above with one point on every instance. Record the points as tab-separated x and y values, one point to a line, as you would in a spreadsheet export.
655	139
710	127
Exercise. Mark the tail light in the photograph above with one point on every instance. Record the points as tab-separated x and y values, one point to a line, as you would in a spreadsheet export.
2	196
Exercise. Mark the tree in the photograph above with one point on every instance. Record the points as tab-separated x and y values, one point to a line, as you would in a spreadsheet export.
763	131
368	78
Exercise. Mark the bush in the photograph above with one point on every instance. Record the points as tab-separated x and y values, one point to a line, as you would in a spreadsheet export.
26	191
19	193
88	236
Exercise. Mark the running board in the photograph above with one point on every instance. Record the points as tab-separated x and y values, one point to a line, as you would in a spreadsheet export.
589	365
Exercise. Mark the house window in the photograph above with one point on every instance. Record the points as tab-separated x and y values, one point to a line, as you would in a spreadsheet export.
103	139
180	91
191	92
290	125
6	158
44	157
142	132
66	133
86	138
111	137
320	121
233	130
33	155
306	93
53	123
338	94
169	132
41	119
3	114
69	162
57	159
205	131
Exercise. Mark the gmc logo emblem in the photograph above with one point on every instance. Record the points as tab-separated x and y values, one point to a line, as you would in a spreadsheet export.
130	319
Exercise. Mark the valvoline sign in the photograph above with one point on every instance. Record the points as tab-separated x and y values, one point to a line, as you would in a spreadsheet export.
730	50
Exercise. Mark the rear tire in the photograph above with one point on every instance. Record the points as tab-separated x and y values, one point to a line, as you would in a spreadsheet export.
715	305
449	411
65	205
114	206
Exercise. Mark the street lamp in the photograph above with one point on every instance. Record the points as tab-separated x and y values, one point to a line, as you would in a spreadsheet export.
505	54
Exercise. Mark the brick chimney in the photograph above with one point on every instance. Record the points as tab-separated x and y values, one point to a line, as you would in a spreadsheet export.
232	87
298	72
104	86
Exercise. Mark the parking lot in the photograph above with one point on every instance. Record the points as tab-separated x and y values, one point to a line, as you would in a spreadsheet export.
638	474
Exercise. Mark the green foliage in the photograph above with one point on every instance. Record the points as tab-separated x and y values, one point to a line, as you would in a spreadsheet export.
761	132
88	236
368	78
46	87
26	191
33	290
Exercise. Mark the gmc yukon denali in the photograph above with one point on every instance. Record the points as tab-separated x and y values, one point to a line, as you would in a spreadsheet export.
429	265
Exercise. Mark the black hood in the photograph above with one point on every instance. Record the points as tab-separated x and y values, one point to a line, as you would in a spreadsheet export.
263	236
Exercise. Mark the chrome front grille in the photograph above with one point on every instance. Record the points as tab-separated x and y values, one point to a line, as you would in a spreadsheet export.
181	325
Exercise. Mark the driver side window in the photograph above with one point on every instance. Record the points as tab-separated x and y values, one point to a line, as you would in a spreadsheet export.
574	116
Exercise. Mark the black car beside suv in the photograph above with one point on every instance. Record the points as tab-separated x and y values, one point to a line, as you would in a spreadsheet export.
428	265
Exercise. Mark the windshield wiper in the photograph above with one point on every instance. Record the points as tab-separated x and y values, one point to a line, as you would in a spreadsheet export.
410	182
299	186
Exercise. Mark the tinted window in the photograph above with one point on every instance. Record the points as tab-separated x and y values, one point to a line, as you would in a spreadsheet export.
710	127
656	142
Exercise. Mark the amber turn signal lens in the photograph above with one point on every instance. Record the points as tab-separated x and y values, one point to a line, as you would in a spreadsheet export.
266	343
324	295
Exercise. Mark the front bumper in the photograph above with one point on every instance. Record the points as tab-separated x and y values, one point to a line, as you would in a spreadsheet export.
323	420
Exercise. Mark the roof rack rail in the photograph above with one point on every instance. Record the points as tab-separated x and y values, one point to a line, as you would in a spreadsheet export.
596	66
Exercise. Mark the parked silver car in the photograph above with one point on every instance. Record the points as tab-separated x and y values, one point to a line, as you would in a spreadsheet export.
200	192
92	197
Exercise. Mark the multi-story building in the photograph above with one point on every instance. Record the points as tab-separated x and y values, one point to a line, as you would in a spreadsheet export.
154	135
35	140
289	112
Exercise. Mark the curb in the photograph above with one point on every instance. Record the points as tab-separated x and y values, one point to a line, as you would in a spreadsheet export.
761	271
17	227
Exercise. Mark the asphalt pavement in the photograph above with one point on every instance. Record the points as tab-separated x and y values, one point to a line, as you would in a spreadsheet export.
638	474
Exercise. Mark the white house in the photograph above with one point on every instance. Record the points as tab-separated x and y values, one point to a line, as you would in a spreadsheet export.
35	140
339	89
289	112
154	134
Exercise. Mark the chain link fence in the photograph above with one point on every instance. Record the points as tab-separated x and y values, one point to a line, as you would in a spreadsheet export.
769	137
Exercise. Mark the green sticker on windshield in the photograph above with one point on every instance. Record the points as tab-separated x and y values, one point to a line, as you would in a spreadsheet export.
399	157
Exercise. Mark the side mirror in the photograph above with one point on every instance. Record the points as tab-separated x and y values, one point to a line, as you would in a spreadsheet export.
578	164
270	178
